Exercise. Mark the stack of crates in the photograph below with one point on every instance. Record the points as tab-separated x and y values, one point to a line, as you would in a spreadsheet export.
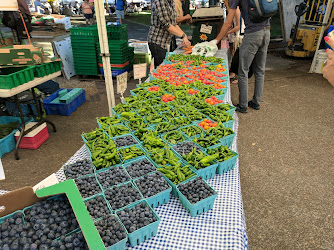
120	54
131	57
84	40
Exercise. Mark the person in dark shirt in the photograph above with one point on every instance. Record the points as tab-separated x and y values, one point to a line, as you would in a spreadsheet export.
254	47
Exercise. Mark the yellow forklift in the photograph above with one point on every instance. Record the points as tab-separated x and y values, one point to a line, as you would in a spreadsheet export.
305	33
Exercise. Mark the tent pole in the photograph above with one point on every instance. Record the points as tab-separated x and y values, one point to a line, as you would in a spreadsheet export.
103	40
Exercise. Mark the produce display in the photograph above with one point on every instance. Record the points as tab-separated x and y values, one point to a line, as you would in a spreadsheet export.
125	141
112	176
122	195
88	186
132	221
140	168
6	129
110	230
97	207
79	168
196	190
164	135
151	184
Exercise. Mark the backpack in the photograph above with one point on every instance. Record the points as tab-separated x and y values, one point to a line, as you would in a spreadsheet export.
261	10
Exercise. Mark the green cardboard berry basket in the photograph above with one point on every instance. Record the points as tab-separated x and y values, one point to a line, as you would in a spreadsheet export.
159	198
199	207
145	157
174	190
227	165
95	196
227	140
122	243
138	146
118	185
144	233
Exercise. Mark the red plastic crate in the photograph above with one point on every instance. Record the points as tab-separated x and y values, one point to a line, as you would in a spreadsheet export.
35	138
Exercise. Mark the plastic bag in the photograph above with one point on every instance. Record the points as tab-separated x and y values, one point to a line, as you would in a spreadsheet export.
205	49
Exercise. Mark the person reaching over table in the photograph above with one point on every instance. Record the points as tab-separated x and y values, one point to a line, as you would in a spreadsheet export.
328	69
163	27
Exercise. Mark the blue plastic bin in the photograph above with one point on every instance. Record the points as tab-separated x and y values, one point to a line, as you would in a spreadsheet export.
65	109
8	143
201	206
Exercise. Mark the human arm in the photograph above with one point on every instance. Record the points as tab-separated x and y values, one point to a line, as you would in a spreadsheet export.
328	70
237	22
226	26
176	30
183	18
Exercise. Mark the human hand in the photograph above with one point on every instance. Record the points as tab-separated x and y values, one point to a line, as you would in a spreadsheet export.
186	42
328	69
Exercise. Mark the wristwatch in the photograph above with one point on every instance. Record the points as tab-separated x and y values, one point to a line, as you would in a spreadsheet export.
183	36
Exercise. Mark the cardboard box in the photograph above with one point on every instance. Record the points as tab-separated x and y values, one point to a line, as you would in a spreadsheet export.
21	55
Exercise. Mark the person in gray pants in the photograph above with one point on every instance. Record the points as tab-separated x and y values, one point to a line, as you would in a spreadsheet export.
253	48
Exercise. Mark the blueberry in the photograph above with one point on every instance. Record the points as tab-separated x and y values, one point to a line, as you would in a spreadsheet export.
139	168
88	186
152	184
112	176
196	190
117	195
79	168
109	228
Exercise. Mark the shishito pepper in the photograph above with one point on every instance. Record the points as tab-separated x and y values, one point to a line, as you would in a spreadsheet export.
224	153
97	134
177	173
199	160
130	152
104	153
108	121
174	137
116	130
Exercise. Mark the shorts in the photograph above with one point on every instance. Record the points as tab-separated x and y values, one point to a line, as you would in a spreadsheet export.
89	16
120	14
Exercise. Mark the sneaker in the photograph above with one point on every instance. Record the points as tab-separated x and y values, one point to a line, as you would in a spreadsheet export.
253	105
241	109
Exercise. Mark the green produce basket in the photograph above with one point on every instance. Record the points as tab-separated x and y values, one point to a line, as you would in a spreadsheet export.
138	146
144	233
95	196
208	172
174	190
227	165
199	207
84	39
227	140
144	157
122	184
15	76
122	243
157	199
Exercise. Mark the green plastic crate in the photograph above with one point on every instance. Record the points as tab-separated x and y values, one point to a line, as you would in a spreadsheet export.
84	31
47	68
15	76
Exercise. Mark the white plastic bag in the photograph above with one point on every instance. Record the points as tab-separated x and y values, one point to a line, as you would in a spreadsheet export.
205	49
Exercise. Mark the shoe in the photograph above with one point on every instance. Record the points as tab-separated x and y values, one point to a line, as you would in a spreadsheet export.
253	105
241	109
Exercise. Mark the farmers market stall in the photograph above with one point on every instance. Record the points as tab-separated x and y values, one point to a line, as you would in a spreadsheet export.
172	138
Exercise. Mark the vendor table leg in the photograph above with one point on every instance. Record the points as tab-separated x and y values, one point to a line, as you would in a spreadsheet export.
18	106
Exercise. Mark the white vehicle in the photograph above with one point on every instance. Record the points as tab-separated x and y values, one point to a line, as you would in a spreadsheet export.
135	5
